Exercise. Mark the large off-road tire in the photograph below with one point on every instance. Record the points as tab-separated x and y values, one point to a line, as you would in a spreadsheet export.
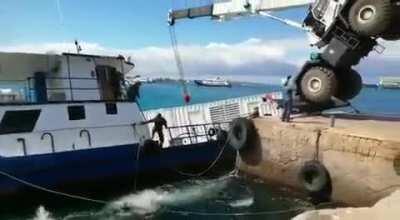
391	36
318	85
371	18
394	32
350	84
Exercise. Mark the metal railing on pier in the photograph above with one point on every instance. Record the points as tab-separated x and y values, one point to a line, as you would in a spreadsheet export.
193	134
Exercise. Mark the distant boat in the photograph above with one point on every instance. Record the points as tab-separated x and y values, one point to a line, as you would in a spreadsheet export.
367	85
146	80
390	82
217	82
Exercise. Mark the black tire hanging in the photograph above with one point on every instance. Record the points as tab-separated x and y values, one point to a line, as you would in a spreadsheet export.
350	84
241	134
315	178
318	85
371	18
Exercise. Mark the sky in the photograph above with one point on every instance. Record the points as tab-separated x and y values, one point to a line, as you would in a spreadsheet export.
250	49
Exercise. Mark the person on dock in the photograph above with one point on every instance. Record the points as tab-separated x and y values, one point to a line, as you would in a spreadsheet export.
159	122
288	86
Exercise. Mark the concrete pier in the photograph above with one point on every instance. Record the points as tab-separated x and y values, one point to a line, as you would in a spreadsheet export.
361	156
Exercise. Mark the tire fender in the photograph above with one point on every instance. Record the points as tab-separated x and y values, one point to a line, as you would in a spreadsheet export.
241	134
315	178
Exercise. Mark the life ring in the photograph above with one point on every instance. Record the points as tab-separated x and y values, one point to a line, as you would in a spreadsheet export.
241	134
186	141
315	179
211	132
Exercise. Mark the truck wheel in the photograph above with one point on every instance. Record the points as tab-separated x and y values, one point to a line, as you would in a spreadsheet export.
318	85
394	32
350	85
391	36
371	17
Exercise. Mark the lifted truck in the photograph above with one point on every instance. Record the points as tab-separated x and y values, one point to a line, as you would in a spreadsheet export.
347	31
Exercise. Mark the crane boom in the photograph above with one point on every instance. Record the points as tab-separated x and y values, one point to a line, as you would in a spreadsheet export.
345	30
230	8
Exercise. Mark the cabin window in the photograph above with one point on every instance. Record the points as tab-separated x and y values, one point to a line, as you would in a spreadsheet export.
111	109
76	112
19	121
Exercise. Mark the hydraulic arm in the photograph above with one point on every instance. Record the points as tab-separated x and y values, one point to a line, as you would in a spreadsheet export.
347	31
233	8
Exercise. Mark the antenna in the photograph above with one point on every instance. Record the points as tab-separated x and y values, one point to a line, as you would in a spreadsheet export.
78	47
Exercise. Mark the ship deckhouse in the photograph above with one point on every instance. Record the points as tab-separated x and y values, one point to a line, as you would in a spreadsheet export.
57	103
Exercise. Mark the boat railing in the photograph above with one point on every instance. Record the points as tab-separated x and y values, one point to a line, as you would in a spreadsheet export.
193	134
52	89
61	85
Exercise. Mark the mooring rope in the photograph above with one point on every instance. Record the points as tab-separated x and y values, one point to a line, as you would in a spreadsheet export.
259	213
166	210
206	170
52	191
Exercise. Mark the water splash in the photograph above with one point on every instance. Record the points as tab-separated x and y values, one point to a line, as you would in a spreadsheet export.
149	201
241	203
42	214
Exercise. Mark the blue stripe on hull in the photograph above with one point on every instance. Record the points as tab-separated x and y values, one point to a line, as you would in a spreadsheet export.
59	169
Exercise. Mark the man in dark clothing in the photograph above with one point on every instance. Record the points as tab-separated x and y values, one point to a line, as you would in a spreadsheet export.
159	123
133	92
288	86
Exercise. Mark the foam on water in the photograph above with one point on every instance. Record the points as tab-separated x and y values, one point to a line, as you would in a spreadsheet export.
42	214
240	203
149	201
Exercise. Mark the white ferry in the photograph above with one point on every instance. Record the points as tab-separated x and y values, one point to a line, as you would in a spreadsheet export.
217	82
389	82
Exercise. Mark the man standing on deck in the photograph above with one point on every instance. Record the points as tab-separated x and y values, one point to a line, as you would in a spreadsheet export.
159	122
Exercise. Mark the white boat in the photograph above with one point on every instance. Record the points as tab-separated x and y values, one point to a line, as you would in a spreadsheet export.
216	82
390	82
66	121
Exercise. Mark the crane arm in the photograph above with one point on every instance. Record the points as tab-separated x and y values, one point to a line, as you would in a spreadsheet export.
232	8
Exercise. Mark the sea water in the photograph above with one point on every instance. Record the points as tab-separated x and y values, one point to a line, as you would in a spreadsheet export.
161	95
227	197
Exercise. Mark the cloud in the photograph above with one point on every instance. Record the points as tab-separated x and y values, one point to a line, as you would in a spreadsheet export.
250	60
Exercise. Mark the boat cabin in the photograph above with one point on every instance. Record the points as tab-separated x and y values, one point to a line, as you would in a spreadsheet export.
46	78
62	102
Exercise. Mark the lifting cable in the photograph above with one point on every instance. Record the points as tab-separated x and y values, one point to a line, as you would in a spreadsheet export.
179	65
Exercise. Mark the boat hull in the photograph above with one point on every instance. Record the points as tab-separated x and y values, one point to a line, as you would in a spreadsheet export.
78	171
